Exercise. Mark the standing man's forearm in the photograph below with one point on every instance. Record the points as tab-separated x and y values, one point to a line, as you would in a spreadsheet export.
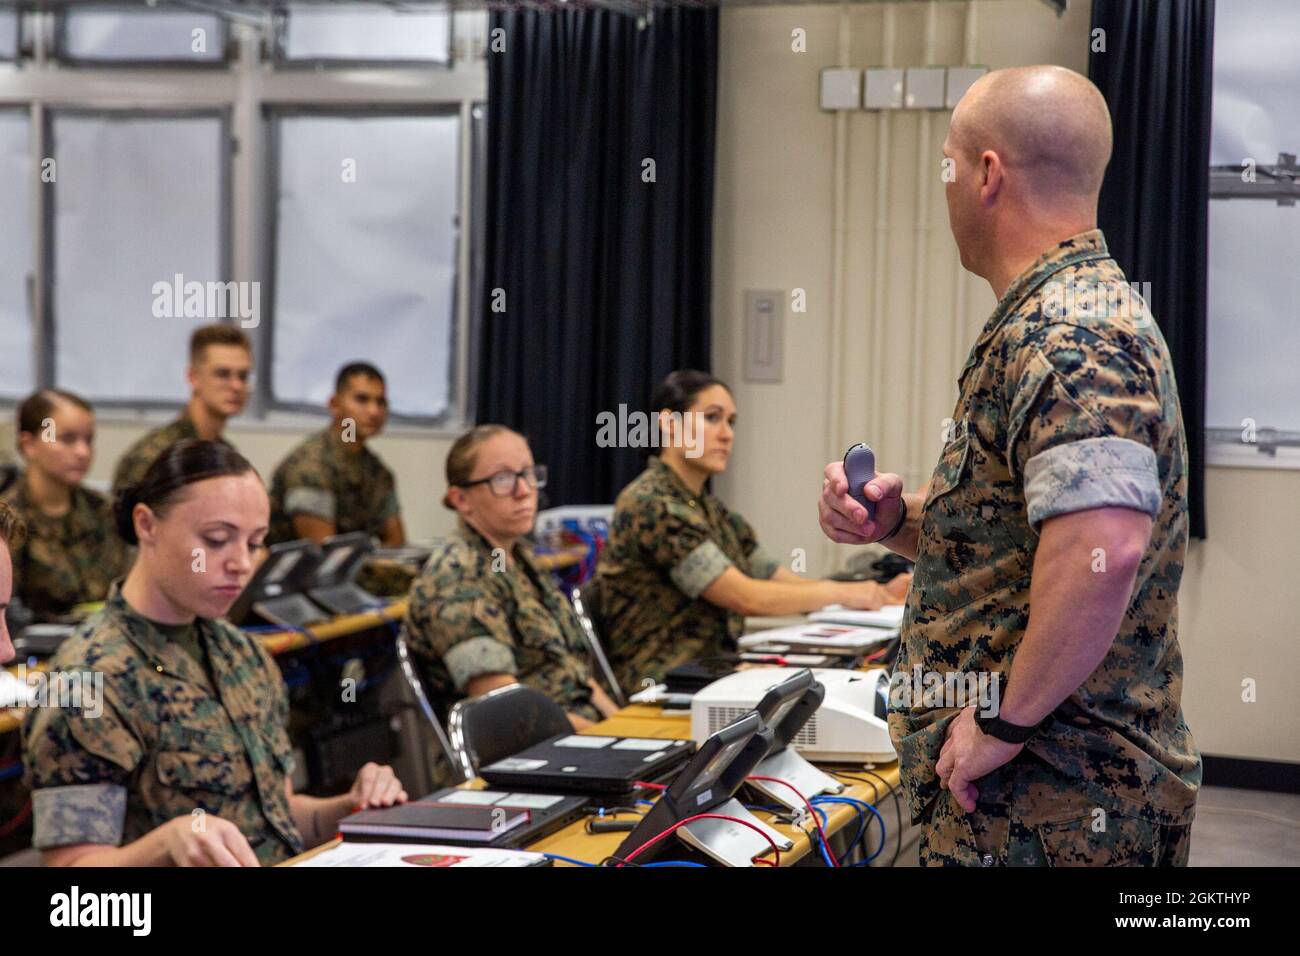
1076	610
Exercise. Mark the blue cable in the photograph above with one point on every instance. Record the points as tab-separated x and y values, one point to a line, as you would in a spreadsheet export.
815	836
860	805
646	866
567	859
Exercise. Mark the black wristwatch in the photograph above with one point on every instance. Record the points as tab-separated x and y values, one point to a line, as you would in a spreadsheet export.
1005	731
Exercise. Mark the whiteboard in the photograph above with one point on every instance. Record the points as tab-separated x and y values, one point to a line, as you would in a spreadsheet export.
16	255
365	269
360	33
1254	245
137	200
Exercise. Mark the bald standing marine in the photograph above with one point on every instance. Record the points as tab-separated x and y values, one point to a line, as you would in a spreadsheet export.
1062	486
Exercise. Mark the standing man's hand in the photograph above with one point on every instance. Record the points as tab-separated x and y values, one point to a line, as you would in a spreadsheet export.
968	754
844	520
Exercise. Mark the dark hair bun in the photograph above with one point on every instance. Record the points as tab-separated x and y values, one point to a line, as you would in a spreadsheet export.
124	502
181	464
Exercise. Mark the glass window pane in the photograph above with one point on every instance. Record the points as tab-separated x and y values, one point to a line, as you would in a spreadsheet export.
360	33
107	34
365	256
8	35
1254	244
19	178
137	210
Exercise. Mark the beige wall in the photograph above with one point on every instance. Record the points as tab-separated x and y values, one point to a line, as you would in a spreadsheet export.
800	204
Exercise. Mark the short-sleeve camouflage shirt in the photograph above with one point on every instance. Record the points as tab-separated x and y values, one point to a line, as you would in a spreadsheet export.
137	459
666	546
161	741
1066	403
352	489
472	612
67	559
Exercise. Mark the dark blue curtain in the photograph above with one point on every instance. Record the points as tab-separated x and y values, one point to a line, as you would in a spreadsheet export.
605	277
1157	74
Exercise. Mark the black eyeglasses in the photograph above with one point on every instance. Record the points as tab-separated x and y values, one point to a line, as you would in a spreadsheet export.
503	483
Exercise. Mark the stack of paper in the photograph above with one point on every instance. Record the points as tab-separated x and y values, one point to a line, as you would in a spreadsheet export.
890	616
819	634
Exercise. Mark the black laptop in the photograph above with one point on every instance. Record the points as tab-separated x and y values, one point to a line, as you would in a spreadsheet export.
542	814
333	584
275	593
585	763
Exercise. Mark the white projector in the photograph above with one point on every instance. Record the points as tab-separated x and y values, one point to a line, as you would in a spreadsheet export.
849	727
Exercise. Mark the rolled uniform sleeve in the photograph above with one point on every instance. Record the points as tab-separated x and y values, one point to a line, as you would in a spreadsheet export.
461	623
680	542
1083	419
79	768
310	500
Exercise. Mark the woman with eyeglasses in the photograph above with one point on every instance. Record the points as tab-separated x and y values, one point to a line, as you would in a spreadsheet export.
174	750
482	615
73	551
681	571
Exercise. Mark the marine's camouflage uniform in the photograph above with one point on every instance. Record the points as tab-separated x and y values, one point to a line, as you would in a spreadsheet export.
353	490
137	459
67	560
472	612
666	546
1059	411
167	742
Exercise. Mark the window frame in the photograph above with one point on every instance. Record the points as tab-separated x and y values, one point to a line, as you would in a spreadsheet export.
266	330
245	86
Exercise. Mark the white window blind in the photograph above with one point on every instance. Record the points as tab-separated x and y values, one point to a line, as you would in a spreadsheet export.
138	200
365	256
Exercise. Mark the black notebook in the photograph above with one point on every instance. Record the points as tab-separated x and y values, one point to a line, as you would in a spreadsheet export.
435	821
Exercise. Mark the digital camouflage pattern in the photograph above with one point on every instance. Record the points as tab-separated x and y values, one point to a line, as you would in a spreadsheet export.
167	742
352	489
1077	833
137	459
1060	410
472	612
666	546
69	559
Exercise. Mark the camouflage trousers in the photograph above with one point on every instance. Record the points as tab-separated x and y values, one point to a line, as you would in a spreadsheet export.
1036	832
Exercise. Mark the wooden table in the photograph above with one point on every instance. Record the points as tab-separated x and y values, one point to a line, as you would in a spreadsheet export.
649	720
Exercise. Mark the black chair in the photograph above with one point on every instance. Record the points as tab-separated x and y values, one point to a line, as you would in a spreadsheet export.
501	723
587	605
410	668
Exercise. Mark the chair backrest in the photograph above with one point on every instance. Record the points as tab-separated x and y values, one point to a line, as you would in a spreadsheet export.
587	605
501	723
411	672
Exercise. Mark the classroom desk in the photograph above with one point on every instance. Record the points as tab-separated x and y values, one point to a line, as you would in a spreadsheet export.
648	720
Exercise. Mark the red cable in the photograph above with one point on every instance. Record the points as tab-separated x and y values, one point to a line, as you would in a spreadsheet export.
776	850
811	812
650	786
17	821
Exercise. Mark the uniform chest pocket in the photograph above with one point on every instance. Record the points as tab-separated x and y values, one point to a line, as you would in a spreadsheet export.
966	550
215	763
